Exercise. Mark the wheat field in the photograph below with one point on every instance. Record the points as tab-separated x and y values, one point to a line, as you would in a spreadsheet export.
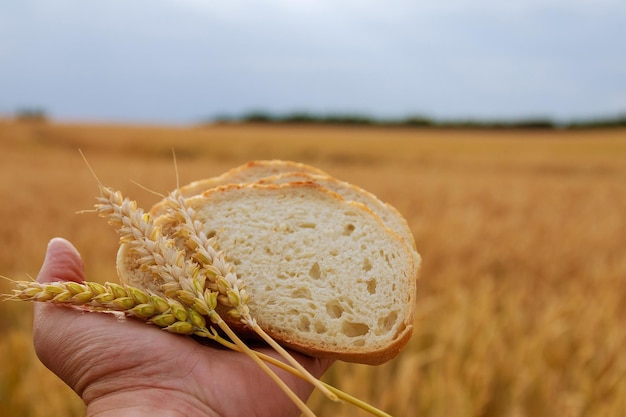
522	296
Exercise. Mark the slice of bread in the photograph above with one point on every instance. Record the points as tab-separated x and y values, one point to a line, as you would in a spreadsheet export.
325	275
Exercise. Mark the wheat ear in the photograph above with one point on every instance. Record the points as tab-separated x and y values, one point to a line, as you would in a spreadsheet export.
163	312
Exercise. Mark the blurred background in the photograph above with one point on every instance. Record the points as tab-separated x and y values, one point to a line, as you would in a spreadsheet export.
497	129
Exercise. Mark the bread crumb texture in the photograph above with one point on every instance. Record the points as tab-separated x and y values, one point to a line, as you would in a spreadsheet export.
321	270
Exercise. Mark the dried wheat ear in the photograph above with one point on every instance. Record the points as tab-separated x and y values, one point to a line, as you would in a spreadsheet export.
197	285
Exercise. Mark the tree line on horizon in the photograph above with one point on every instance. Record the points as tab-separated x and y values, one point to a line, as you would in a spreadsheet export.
354	119
418	121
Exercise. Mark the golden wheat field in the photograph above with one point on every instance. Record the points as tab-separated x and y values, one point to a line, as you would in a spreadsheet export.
522	297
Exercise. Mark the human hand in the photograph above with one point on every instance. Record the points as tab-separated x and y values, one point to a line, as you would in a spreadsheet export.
133	369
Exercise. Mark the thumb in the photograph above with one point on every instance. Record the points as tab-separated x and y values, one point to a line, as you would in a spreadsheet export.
52	339
62	263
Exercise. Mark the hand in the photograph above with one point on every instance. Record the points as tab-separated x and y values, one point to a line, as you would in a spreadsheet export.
134	369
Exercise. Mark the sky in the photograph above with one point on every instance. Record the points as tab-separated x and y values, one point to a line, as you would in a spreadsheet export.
186	61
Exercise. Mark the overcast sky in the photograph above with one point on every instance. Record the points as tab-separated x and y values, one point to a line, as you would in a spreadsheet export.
182	61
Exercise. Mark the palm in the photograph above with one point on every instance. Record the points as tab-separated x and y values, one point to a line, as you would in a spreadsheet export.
131	365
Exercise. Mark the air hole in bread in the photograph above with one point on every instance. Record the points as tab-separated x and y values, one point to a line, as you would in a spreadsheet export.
351	329
386	256
333	252
371	286
359	342
303	292
283	227
304	324
315	272
307	225
319	327
347	231
334	309
385	324
367	265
